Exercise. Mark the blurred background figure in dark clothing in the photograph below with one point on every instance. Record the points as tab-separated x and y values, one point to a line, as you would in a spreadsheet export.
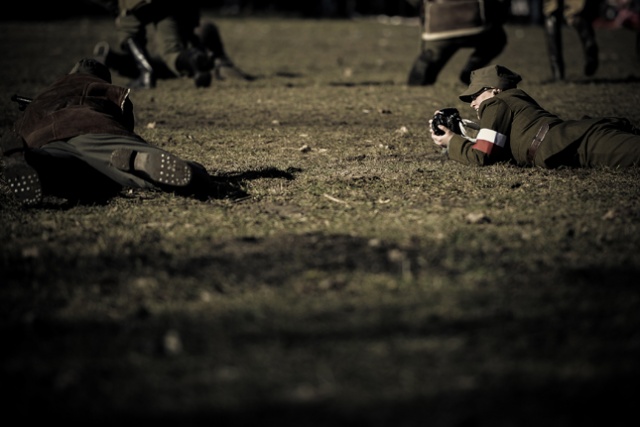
185	45
579	14
450	25
621	14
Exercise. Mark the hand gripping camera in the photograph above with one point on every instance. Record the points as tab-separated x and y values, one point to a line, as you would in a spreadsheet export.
449	118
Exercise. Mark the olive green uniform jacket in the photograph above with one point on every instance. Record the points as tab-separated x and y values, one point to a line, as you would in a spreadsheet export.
510	120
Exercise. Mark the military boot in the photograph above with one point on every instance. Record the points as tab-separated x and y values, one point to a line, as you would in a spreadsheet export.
424	71
21	178
223	66
158	167
195	63
553	36
589	44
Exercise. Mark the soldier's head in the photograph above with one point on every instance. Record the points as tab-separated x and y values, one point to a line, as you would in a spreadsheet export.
491	77
93	67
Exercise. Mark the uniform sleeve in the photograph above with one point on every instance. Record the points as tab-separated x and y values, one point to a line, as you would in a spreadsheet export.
492	142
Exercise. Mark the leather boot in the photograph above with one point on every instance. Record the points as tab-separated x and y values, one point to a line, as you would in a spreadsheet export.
553	35
158	167
211	40
223	66
147	78
589	44
195	63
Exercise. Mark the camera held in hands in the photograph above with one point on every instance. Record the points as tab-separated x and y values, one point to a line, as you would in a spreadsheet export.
449	118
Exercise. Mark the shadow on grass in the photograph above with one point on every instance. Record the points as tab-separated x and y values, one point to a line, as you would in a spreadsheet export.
89	188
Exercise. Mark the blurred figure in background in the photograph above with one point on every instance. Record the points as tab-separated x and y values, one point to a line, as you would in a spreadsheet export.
185	45
535	12
579	14
450	25
622	14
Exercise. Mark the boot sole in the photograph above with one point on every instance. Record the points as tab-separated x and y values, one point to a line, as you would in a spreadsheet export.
24	183
157	167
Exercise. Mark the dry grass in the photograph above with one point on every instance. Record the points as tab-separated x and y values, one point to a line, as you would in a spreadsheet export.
356	285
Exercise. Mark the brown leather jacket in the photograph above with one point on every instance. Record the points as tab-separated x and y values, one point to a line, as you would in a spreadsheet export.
74	105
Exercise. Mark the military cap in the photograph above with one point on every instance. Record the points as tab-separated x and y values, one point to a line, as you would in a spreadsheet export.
491	76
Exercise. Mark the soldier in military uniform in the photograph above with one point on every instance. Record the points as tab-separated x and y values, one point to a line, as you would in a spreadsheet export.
579	14
450	25
173	32
514	128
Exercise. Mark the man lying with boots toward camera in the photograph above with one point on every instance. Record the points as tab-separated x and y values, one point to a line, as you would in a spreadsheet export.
76	140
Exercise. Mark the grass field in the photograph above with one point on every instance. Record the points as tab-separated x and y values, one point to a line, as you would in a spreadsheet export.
365	280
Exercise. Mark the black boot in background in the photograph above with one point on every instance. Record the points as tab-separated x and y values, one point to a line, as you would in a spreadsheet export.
424	71
553	35
21	178
223	66
588	39
195	63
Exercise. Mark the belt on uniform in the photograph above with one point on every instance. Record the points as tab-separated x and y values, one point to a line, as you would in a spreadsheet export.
537	140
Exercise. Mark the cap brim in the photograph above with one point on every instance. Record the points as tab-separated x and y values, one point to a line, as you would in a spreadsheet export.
468	94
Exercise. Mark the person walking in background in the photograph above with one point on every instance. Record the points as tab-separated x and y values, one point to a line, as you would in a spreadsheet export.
515	128
450	25
76	140
185	45
579	14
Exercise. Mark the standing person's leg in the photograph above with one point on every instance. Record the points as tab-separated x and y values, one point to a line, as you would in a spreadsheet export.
210	39
172	37
434	52
132	36
553	20
580	14
433	57
487	46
